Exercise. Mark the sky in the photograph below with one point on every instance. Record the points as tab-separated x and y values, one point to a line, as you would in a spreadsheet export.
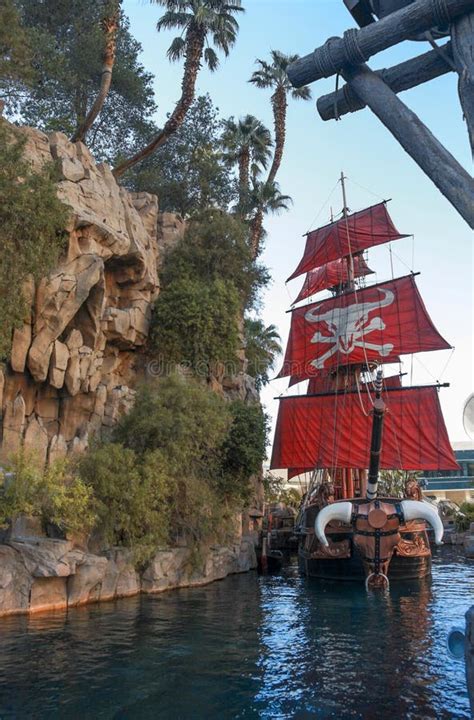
376	167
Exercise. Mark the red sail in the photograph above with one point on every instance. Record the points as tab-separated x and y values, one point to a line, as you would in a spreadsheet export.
331	274
376	324
359	231
328	431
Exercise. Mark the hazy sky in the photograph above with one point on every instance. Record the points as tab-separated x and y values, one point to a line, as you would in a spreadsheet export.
315	154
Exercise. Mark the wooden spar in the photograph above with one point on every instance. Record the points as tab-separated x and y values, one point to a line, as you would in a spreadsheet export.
400	77
462	34
441	167
359	44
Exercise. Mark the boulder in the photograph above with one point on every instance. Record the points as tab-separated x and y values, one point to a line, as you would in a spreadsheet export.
120	579
86	584
46	557
36	439
15	582
48	594
58	364
13	426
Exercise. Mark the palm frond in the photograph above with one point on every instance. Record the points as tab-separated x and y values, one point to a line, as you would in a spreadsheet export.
177	49
171	20
211	59
302	93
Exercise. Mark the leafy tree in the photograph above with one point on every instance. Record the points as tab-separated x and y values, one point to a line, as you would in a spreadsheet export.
32	222
188	173
199	22
15	53
274	75
248	143
265	198
262	347
68	62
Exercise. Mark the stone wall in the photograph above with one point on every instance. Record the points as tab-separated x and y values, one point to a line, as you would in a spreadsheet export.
74	361
40	574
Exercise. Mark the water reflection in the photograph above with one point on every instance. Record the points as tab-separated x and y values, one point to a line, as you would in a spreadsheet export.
247	647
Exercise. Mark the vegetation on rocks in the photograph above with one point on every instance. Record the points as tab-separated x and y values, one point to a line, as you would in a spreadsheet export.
176	470
207	281
32	222
185	457
55	494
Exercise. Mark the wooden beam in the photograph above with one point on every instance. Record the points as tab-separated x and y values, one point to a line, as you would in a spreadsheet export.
441	167
462	33
400	77
358	45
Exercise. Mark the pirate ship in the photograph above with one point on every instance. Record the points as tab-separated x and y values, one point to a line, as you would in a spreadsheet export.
352	422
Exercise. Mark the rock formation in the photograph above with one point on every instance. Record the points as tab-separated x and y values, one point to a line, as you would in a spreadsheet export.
74	361
38	573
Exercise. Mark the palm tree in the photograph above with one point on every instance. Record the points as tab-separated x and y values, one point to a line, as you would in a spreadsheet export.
273	75
109	25
263	344
248	143
265	198
199	21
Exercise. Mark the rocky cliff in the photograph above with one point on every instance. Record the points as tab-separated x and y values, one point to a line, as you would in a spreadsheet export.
75	360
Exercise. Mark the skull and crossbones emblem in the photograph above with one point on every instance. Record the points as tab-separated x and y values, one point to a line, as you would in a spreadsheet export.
349	326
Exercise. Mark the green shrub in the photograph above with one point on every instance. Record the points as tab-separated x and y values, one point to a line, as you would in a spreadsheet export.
32	222
178	468
462	523
207	281
131	497
195	324
56	495
215	247
244	449
180	417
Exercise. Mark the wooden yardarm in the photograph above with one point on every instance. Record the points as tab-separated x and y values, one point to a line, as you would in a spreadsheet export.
347	56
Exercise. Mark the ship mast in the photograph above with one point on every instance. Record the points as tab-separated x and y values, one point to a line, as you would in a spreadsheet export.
350	258
347	473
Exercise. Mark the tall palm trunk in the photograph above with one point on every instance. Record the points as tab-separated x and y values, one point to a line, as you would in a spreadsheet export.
194	49
256	232
110	25
279	105
244	174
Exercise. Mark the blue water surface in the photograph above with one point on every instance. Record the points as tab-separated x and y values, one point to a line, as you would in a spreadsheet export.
280	646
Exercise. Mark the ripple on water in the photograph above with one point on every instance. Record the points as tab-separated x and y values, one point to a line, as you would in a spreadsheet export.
248	647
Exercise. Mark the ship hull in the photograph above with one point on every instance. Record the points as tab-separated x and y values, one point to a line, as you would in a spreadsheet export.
352	569
410	559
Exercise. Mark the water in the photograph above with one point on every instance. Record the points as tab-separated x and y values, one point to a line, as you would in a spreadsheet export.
247	647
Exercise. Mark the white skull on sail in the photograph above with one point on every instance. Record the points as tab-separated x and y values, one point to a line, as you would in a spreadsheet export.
349	326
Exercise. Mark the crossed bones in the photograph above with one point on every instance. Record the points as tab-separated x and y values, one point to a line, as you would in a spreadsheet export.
348	327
